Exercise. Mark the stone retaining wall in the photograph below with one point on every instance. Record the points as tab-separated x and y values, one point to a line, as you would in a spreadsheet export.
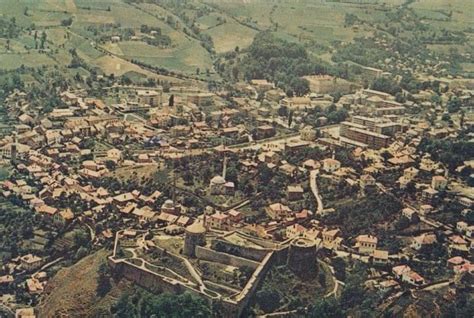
207	254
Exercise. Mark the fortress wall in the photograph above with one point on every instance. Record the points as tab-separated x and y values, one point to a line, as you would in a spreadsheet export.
263	243
247	252
207	254
281	256
249	289
157	284
146	279
273	258
232	307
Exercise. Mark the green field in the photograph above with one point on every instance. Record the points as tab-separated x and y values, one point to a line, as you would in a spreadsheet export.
307	20
14	61
229	35
185	55
209	21
185	58
319	26
462	11
257	12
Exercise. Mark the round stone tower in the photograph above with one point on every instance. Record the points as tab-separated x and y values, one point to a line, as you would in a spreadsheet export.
194	235
302	255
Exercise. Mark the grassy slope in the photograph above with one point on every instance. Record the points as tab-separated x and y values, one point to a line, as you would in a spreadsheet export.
319	23
315	21
49	13
435	13
186	53
72	291
229	35
316	24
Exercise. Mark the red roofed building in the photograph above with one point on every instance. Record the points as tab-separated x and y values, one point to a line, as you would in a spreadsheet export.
278	211
366	244
456	261
294	230
423	240
219	221
407	275
464	268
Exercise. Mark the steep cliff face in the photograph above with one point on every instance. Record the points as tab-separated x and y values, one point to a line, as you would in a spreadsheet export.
72	291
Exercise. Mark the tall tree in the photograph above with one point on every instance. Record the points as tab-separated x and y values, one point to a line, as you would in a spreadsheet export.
43	40
290	119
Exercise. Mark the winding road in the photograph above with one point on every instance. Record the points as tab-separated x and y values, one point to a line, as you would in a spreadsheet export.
314	188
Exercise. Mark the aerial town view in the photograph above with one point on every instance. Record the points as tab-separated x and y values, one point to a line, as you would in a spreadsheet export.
237	158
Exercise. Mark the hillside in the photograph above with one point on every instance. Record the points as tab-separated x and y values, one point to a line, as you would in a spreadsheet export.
72	291
190	35
237	158
85	28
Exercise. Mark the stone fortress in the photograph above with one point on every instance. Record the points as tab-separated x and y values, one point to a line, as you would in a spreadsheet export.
195	235
302	255
138	256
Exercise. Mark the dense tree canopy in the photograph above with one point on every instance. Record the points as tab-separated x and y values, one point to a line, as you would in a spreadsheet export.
386	85
281	62
144	304
359	215
454	105
328	308
452	153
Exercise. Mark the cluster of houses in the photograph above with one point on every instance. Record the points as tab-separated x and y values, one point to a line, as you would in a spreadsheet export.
26	264
67	152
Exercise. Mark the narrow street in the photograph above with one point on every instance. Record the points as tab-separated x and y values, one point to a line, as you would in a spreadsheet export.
45	266
91	232
314	188
437	286
337	283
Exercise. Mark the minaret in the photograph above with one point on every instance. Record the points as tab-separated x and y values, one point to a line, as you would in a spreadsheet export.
204	219
224	168
174	187
14	148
